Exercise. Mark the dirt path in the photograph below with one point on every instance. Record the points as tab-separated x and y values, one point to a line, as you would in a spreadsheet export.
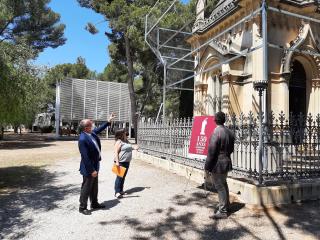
155	208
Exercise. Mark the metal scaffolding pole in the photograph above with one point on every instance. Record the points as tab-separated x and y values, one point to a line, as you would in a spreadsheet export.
57	110
265	56
294	50
161	17
264	163
184	26
241	54
182	89
218	35
294	15
164	90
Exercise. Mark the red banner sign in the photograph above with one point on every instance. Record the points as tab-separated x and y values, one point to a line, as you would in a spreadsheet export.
202	129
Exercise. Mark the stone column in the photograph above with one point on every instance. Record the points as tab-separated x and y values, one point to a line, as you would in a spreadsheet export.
226	101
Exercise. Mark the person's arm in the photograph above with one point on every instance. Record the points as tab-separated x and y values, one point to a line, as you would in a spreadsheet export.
85	157
105	125
117	148
213	151
135	147
101	128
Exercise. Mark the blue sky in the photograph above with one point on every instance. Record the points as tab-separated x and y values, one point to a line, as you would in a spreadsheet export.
94	48
79	42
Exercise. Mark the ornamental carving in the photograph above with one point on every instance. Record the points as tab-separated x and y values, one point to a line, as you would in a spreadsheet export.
316	83
297	46
223	9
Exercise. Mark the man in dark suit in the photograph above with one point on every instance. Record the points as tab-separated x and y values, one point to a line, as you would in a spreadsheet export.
218	162
90	150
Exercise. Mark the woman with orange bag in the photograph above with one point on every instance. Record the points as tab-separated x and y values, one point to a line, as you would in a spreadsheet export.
123	155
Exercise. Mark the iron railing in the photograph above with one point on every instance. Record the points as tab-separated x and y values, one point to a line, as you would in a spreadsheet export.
291	146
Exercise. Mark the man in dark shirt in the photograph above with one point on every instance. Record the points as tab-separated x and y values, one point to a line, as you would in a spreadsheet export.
218	162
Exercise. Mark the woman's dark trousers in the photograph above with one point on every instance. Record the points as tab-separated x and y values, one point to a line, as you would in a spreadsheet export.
118	185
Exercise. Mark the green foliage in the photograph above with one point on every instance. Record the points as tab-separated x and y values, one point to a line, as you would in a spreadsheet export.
114	72
32	22
26	28
211	4
91	28
22	91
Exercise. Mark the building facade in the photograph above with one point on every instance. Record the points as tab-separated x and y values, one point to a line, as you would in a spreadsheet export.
229	63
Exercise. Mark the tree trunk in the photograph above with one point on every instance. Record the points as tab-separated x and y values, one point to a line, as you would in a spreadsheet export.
1	132
148	94
131	87
15	128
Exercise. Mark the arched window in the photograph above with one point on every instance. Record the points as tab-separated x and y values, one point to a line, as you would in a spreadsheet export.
217	92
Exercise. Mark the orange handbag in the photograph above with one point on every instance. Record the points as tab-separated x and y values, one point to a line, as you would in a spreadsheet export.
119	170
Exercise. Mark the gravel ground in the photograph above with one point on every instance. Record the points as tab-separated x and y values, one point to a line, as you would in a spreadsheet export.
156	207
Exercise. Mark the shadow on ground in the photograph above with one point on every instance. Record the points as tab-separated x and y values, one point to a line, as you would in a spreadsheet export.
136	189
14	145
168	223
24	190
110	203
305	216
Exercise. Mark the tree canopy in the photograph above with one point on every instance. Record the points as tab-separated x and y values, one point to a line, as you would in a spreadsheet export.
31	21
26	28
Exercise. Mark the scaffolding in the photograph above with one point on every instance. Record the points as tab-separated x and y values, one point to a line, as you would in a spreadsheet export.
183	61
180	60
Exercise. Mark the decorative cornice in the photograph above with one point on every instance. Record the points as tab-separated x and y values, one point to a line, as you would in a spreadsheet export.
301	3
224	9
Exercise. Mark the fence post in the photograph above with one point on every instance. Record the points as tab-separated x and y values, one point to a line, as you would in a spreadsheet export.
260	86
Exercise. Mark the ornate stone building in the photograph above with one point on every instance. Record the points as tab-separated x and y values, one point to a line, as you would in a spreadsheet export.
230	63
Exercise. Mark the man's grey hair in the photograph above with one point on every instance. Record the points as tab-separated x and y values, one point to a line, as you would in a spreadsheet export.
84	123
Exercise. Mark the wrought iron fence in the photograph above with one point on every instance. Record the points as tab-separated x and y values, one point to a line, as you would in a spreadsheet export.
291	146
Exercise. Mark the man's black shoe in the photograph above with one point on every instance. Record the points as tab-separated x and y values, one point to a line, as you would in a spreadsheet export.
217	208
98	206
84	211
220	215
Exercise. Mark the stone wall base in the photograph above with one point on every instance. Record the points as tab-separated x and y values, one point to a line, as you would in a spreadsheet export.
253	196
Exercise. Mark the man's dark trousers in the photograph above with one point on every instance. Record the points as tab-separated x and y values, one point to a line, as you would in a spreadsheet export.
220	183
89	189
